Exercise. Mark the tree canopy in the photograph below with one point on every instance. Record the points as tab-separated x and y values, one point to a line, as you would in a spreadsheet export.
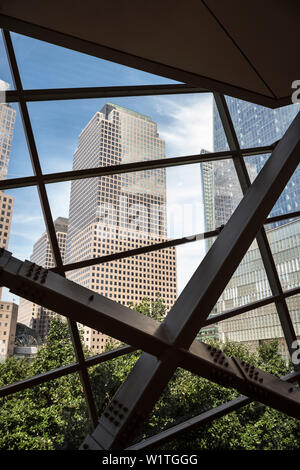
53	415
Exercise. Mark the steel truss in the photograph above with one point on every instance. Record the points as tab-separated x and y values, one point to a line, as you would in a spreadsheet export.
170	344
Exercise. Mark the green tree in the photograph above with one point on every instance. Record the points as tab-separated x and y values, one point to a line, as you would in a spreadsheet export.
53	415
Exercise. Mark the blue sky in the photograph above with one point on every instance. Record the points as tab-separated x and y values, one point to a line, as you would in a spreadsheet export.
184	122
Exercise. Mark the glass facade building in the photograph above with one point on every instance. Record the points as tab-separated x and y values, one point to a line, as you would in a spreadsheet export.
250	283
255	126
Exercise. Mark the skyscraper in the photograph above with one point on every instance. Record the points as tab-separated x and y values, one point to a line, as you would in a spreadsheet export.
120	212
30	314
250	283
255	126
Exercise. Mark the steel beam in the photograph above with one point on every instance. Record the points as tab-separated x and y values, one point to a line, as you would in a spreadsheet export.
193	306
59	294
63	370
126	168
62	295
262	240
200	420
251	306
99	92
75	337
170	339
139	251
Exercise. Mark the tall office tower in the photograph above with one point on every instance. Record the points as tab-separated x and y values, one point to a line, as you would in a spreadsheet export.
250	283
120	212
257	126
30	314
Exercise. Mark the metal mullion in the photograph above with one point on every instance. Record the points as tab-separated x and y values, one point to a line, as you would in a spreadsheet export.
262	240
147	334
139	251
49	222
193	306
252	306
205	417
63	371
51	178
50	94
278	218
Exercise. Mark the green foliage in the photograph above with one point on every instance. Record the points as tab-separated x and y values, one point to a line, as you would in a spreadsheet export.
53	415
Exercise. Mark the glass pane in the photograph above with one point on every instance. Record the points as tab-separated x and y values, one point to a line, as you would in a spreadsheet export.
293	304
248	284
25	325
14	155
44	65
25	216
219	138
255	163
185	396
289	199
34	341
221	192
284	241
78	134
124	212
5	74
256	125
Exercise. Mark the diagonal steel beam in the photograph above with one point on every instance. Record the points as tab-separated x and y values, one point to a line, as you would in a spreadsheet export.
38	379
196	301
59	294
201	293
261	238
177	332
202	419
141	250
36	166
251	306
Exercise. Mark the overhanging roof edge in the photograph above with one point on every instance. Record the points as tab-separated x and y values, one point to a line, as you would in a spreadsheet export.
104	52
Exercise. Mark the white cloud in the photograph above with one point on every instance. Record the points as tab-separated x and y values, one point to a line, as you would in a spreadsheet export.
187	128
59	199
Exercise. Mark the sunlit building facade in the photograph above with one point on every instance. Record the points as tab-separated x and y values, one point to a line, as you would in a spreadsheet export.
120	212
8	323
255	126
30	314
250	283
